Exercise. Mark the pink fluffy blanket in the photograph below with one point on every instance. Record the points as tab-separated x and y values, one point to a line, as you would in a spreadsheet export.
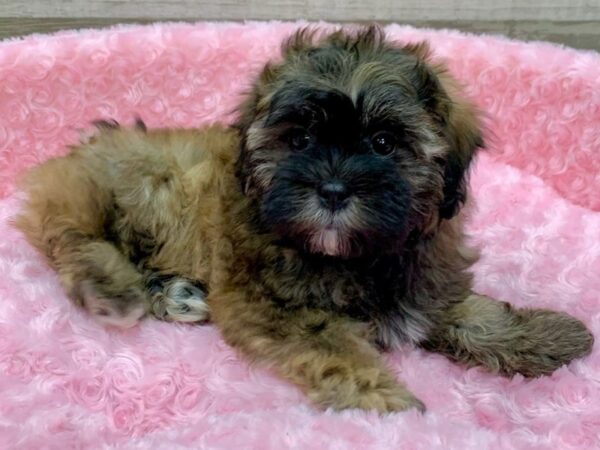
66	382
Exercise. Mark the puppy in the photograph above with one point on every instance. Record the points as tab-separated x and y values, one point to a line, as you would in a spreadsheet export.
323	227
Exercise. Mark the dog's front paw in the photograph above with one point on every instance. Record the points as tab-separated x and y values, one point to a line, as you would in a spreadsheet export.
389	399
549	341
366	389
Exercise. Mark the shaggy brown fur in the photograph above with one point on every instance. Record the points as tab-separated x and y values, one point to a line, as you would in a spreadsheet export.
324	226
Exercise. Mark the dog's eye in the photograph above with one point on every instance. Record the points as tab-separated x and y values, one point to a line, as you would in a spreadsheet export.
383	143
299	139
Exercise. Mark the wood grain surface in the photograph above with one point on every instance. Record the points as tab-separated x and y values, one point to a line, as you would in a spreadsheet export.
338	10
582	35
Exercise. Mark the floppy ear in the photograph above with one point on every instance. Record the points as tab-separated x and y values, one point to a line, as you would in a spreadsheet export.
252	109
255	101
463	132
459	121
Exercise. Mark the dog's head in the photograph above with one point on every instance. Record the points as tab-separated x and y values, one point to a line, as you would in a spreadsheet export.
351	143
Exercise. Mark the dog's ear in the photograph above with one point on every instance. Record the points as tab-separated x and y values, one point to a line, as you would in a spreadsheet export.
255	105
464	135
462	127
256	98
458	119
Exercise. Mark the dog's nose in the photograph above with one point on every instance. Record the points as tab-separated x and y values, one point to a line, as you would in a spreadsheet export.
333	194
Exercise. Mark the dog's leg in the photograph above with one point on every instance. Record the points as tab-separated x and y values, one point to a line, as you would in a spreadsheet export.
65	218
329	357
532	342
177	299
65	221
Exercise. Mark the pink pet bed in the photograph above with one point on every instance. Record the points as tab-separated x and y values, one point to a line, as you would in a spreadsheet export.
66	382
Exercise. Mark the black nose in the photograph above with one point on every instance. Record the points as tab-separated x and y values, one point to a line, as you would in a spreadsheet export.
333	194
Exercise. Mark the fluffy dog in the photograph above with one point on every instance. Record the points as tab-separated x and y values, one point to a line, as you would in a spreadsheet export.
324	226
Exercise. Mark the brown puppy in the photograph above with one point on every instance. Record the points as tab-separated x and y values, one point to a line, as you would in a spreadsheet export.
326	225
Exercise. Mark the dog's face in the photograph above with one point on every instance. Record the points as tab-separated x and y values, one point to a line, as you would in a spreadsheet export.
351	144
